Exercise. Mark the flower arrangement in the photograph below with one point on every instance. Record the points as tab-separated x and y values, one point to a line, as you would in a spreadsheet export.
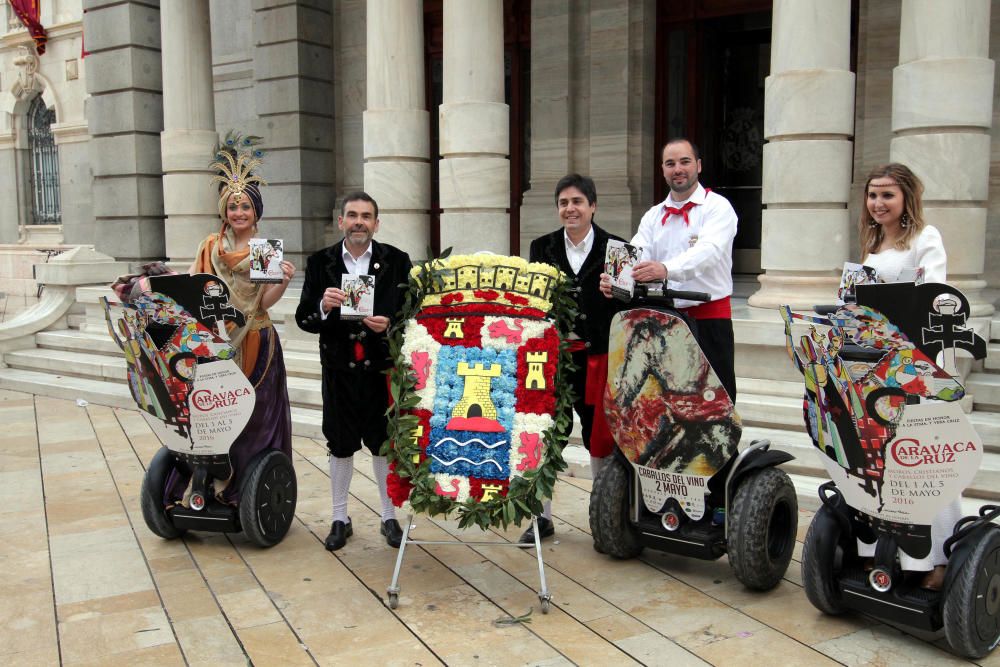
479	415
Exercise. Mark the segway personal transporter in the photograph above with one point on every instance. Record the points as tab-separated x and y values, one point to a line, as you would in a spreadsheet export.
677	482
196	399
881	408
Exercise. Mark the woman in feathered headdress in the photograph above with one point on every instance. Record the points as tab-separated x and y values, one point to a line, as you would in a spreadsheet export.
226	254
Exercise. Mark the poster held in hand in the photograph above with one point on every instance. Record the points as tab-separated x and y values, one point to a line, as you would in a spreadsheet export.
360	302
619	260
265	260
855	274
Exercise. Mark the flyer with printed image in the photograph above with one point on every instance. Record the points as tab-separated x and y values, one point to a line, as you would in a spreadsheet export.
360	302
265	260
619	259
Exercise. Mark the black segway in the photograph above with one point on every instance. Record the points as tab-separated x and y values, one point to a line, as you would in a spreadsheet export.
677	481
182	376
880	406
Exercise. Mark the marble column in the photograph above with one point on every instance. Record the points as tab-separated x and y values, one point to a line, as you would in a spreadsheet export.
73	142
125	118
551	63
808	123
396	124
474	121
612	100
349	86
189	137
942	107
293	93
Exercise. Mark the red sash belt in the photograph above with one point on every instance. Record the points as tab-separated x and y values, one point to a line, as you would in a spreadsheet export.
601	442
720	309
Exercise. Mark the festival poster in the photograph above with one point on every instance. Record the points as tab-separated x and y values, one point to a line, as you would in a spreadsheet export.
658	486
360	302
265	260
854	275
619	259
934	455
220	403
667	409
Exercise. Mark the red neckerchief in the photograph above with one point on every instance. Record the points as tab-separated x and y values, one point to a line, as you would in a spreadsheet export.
682	211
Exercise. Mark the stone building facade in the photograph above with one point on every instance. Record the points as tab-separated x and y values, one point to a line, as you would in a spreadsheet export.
459	116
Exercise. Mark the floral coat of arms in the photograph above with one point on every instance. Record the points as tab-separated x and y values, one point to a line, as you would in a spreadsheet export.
477	425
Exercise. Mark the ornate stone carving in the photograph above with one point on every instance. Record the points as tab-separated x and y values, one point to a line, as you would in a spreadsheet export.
27	64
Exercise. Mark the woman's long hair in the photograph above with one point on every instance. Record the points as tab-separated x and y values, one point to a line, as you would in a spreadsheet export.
870	232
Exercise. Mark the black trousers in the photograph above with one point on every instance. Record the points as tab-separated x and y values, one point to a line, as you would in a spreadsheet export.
715	336
354	405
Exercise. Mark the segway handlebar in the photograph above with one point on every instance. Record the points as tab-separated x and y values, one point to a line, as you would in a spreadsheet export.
656	290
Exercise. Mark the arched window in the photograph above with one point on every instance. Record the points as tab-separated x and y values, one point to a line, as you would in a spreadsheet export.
44	165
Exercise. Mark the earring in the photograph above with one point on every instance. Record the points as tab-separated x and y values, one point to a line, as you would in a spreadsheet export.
872	223
904	221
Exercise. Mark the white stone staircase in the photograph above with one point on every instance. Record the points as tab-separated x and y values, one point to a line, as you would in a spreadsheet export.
80	361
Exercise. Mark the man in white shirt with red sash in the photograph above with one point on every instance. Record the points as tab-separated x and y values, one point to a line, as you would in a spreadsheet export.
687	240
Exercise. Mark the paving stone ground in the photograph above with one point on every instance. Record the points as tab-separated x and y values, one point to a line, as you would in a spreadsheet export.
86	583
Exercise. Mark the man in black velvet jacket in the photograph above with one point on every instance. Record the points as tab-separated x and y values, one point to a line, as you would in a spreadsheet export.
354	354
578	250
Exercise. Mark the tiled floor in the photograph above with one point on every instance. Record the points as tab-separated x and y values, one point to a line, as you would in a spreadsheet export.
85	582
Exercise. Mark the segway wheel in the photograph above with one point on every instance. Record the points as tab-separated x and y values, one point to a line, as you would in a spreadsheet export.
609	504
762	525
972	606
151	496
821	562
267	499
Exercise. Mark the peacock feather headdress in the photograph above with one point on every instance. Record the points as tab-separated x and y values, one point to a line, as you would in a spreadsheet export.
236	160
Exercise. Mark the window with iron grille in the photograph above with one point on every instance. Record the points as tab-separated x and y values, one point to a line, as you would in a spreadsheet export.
44	165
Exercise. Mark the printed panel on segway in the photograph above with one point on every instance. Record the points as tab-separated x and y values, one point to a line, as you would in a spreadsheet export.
880	405
182	373
678	482
668	412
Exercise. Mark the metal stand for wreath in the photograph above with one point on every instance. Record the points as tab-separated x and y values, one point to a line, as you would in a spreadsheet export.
544	597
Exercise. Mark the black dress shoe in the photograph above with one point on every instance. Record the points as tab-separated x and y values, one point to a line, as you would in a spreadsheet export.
339	532
545	529
393	533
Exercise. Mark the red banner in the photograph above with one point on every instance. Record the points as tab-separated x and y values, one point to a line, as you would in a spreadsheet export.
29	12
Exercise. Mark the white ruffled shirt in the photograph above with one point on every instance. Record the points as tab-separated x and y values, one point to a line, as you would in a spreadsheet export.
698	256
926	251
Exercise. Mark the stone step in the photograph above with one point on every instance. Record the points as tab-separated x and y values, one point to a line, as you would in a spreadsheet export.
985	390
306	422
303	391
992	361
62	363
770	411
769	387
301	357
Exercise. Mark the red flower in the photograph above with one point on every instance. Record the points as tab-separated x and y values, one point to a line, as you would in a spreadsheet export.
515	299
442	329
542	399
476	485
397	487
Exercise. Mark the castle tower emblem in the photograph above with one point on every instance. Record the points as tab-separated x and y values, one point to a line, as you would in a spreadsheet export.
536	377
475	410
454	328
